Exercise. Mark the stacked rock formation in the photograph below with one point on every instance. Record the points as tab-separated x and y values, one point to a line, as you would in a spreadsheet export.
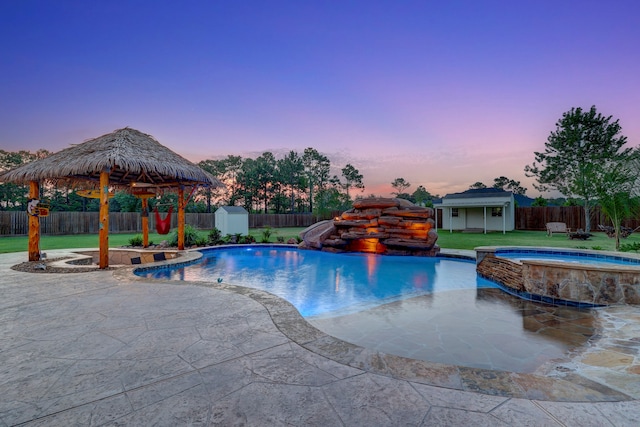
376	225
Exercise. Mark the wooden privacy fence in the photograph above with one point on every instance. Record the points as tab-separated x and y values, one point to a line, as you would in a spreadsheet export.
536	218
16	223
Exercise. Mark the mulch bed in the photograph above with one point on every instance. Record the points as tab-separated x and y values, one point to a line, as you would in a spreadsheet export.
37	267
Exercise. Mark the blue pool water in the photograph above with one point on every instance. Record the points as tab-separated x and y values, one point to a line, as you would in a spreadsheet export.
567	256
320	283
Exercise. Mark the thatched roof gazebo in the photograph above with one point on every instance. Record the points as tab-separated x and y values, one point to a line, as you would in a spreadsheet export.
123	159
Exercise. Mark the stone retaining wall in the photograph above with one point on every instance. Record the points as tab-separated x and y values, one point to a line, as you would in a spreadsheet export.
502	271
125	256
562	283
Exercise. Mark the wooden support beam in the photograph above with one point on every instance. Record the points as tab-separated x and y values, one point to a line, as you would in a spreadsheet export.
34	224
181	205
104	219
145	222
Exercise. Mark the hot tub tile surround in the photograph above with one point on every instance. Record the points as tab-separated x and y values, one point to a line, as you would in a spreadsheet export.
555	282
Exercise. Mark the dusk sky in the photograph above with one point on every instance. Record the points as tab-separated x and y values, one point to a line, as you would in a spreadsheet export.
440	93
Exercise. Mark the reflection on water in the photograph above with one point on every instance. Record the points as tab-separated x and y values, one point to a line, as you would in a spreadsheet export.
319	284
566	325
486	328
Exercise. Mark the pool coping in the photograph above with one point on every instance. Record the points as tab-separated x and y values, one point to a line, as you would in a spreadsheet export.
566	387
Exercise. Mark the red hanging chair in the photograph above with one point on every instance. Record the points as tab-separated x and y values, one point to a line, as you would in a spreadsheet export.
163	225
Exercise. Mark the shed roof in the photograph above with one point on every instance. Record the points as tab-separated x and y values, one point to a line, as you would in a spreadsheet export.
479	193
233	210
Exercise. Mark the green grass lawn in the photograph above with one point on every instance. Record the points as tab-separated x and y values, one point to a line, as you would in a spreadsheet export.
455	240
20	243
459	240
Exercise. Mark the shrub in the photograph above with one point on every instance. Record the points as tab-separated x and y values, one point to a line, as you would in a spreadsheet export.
280	239
202	241
266	234
191	236
247	239
630	247
215	237
135	240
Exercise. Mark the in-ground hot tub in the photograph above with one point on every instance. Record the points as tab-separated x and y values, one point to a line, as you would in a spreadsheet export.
563	276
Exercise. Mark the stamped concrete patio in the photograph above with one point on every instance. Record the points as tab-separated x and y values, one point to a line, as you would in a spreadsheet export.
107	348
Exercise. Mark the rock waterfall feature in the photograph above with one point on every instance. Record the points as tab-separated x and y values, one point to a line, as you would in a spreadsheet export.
376	225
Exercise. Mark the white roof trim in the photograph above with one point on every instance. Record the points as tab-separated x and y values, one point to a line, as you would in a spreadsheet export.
472	205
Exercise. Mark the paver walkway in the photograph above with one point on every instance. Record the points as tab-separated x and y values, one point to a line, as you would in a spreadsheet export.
104	348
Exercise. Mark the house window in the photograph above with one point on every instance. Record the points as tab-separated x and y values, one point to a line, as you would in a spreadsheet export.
454	211
496	211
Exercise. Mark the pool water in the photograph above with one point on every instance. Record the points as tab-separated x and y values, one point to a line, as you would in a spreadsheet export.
324	284
434	309
486	328
569	257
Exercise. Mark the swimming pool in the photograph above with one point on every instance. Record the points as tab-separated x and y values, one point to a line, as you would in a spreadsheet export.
434	309
325	284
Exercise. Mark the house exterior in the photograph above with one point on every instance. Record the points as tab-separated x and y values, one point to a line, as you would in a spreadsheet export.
232	220
482	209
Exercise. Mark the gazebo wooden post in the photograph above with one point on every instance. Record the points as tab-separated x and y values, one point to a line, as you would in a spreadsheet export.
181	205
34	225
104	218
145	222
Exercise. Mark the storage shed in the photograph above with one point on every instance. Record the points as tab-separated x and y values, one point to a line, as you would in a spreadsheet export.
232	220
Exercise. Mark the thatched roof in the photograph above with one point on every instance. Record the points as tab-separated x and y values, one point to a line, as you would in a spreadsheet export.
130	155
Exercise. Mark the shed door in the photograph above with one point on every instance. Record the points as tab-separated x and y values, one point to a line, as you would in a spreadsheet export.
475	218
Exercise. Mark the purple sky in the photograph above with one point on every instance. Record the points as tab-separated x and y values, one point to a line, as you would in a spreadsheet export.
441	93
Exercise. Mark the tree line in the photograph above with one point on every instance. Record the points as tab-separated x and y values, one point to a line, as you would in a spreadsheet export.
295	183
586	158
